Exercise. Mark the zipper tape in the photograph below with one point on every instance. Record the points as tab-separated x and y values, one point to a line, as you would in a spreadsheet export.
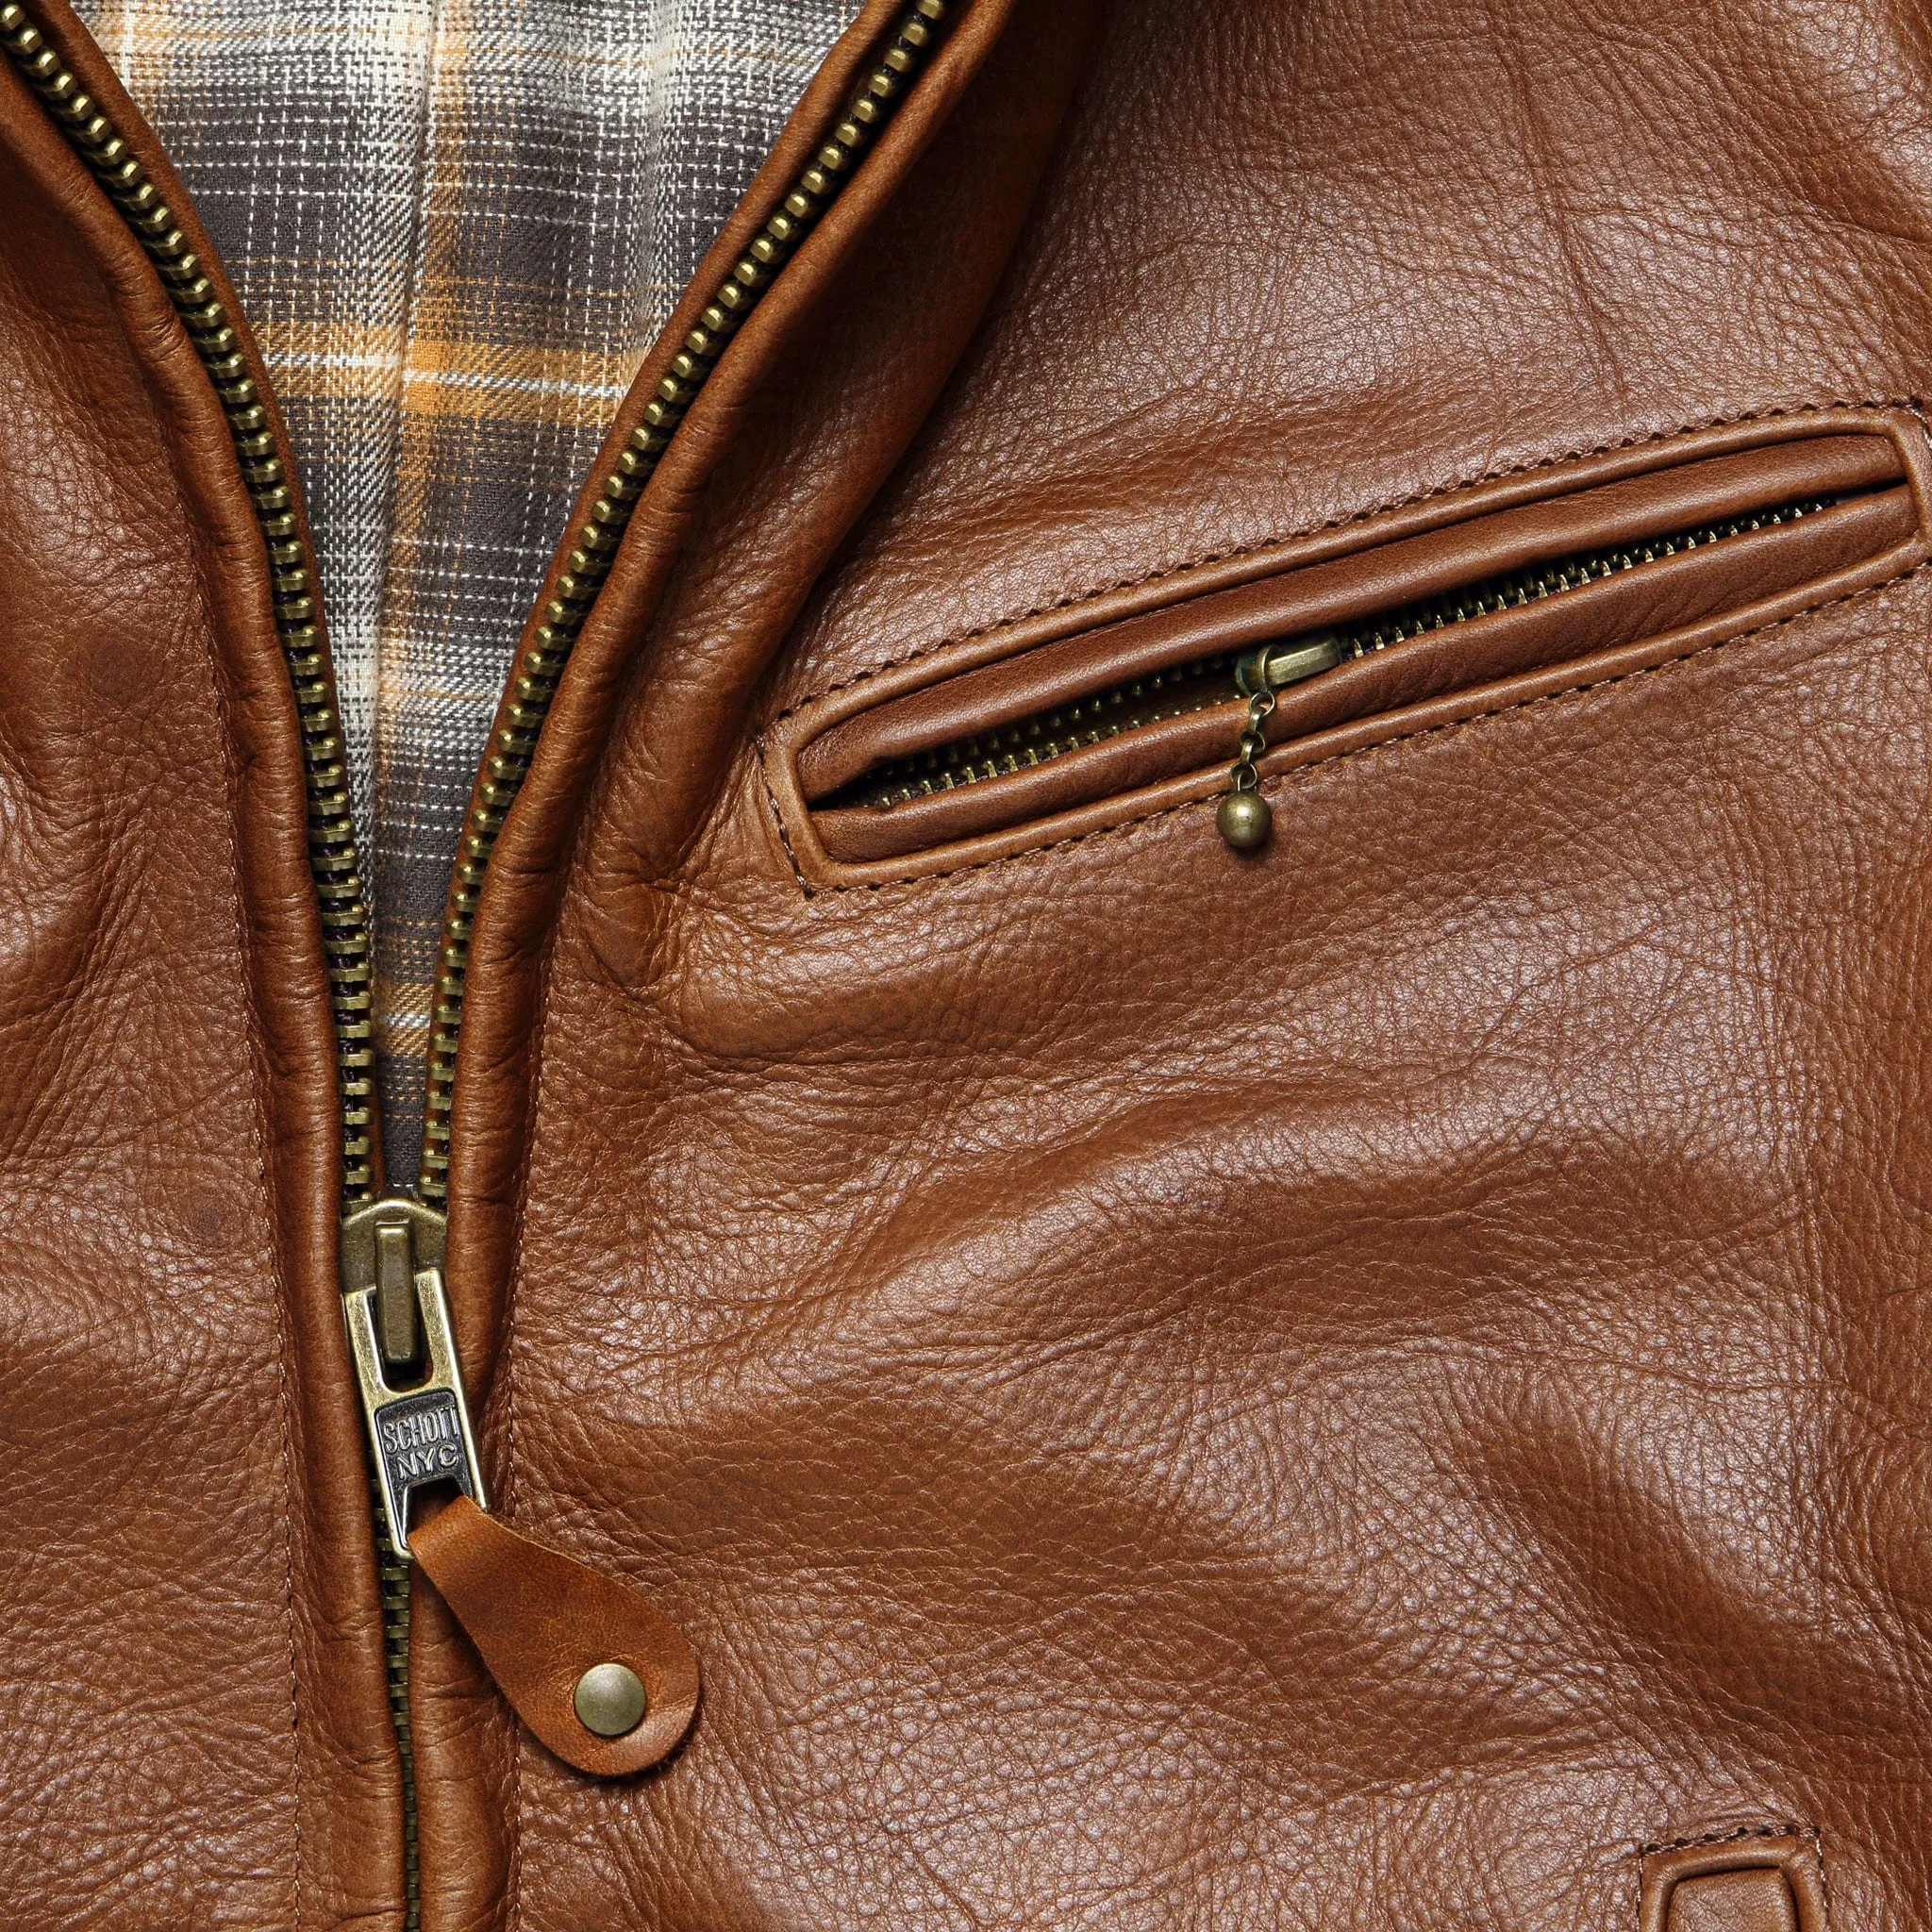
572	593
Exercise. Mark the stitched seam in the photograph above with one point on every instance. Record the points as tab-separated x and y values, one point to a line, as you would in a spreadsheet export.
778	820
258	1130
1789	1828
1074	599
284	1346
532	1110
284	1340
1302	772
1808	1834
1793	1828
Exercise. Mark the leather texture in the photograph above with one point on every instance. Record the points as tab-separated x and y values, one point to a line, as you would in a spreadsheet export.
1728	589
1735	1902
1355	1390
1382	1384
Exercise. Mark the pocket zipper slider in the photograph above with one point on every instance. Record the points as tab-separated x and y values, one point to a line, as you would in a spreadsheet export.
1245	818
397	1310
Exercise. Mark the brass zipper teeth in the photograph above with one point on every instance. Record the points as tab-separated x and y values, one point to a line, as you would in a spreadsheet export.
1037	741
332	855
1210	682
393	1580
1551	580
535	678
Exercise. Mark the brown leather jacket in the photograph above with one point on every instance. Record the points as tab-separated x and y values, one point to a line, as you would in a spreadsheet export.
1375	1382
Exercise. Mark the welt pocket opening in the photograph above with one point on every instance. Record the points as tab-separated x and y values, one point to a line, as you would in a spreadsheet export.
1719	531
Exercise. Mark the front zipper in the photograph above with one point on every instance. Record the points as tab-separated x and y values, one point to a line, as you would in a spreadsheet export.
535	678
334	863
399	1325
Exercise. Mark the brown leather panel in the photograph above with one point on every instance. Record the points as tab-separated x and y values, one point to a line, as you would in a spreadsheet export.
1741	578
1380	577
192	1722
539	1621
1274	296
1734	1902
1041	1321
466	1754
1372	1383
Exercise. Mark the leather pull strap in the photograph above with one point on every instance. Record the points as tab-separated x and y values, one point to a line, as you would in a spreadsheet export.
566	1646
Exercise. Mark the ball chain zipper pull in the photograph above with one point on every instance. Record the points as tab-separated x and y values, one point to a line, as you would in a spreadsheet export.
1245	818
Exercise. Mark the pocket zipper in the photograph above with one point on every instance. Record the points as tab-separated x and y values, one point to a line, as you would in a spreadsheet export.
394	1308
1257	675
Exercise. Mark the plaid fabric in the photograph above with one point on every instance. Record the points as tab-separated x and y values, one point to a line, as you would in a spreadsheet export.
456	226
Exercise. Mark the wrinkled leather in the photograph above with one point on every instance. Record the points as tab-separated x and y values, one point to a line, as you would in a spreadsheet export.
193	1729
1360	1389
1380	1386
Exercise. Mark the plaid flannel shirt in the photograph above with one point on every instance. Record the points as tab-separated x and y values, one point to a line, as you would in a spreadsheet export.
456	226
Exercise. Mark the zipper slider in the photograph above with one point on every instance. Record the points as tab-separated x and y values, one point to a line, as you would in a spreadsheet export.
1245	817
1275	667
397	1310
603	1678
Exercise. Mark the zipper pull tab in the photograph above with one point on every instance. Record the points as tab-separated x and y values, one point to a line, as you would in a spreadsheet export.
398	1316
1245	818
603	1679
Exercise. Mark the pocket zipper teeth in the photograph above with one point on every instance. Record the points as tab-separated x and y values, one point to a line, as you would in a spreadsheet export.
1211	682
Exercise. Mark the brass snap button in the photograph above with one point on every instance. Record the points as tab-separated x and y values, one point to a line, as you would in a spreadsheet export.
609	1700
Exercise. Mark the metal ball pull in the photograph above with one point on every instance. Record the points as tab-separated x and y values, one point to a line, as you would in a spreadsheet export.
1245	818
